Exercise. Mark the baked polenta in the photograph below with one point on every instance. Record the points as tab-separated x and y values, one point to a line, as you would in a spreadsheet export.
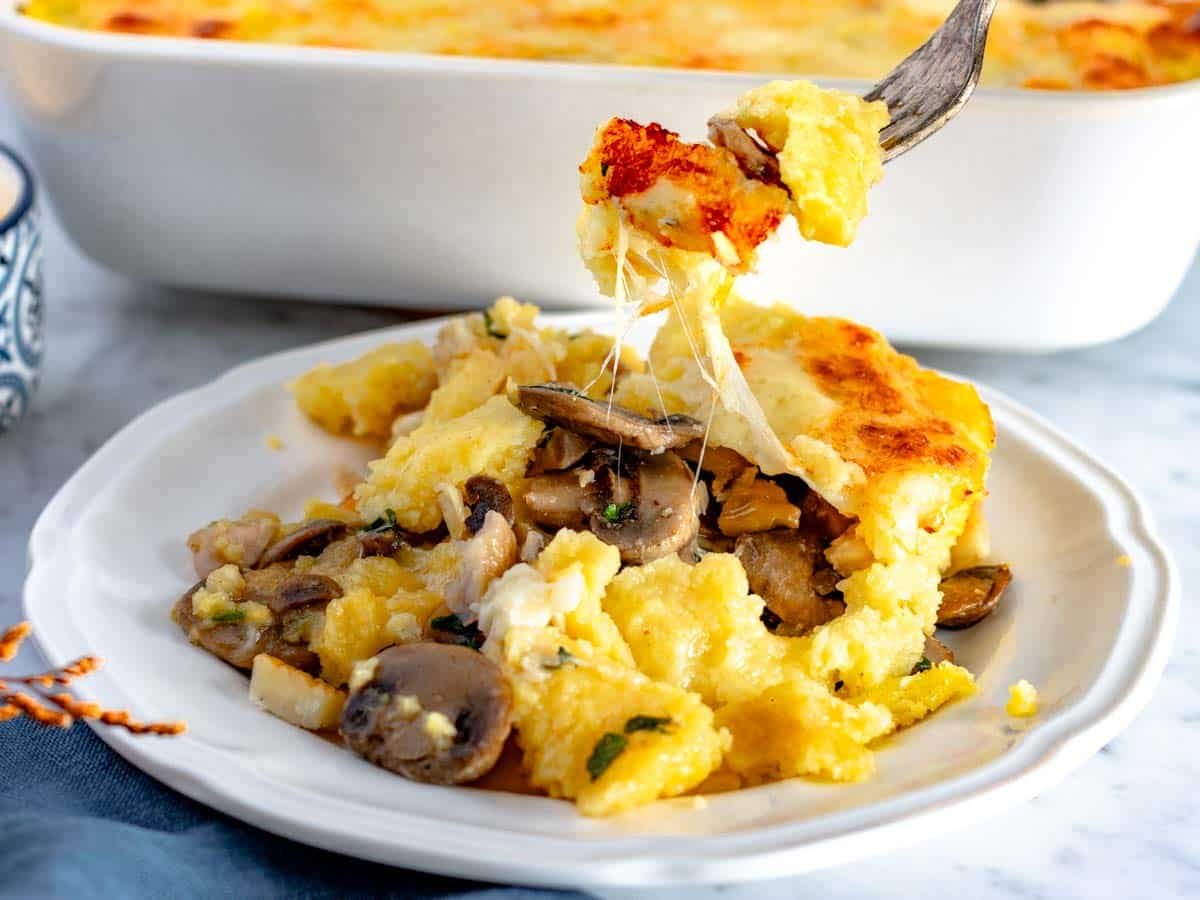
722	565
1069	45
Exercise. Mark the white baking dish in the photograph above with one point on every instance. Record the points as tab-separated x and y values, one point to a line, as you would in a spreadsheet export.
1036	221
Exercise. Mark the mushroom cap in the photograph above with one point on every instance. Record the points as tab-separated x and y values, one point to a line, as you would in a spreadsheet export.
379	722
308	540
607	423
657	509
972	595
754	159
237	643
784	568
483	494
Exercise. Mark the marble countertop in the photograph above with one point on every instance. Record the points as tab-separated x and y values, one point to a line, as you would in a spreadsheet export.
1127	824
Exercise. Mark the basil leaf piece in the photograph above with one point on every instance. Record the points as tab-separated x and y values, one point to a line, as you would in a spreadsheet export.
657	724
607	749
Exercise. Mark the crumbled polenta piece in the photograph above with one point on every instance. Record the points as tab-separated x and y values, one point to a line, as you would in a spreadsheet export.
356	625
697	627
494	440
435	567
889	610
827	144
596	563
364	396
470	382
562	717
1022	700
218	601
911	698
799	728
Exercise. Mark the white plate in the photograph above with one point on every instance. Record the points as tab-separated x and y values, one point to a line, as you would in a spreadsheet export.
108	560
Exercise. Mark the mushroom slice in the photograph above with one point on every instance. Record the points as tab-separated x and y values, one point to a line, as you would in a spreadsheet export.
486	556
782	567
435	713
607	423
303	589
240	542
660	517
237	643
972	595
383	542
308	540
820	516
753	503
937	652
556	501
482	494
561	450
754	159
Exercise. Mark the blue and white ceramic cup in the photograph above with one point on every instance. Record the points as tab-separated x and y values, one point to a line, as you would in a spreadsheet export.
20	290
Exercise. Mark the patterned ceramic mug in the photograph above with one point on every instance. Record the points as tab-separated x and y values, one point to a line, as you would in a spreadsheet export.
20	290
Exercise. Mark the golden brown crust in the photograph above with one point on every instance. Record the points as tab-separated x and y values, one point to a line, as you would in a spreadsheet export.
1058	46
680	193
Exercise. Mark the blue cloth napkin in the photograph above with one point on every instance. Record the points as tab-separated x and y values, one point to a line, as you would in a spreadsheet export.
77	821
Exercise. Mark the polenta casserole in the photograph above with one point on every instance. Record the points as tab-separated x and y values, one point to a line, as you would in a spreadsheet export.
1061	46
632	578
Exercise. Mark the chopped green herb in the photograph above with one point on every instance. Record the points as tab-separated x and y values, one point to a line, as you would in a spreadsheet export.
564	658
659	724
386	522
838	685
469	635
618	512
607	749
923	666
490	324
229	615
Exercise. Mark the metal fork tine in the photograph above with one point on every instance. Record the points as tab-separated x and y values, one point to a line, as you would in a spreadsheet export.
930	86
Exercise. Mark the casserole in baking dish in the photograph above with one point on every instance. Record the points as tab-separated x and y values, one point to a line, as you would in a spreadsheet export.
1037	220
1097	46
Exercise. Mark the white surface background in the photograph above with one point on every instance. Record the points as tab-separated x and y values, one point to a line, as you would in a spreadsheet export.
1126	825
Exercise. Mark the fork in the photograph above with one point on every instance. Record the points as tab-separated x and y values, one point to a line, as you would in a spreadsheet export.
922	94
935	81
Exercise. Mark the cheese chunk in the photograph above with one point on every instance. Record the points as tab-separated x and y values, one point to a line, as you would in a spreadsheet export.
294	696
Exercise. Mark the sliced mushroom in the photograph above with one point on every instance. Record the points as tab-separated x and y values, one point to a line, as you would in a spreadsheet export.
609	424
435	713
486	556
651	513
821	517
754	159
753	503
308	540
937	652
561	450
556	501
481	495
237	643
381	542
304	589
240	542
720	463
972	595
783	568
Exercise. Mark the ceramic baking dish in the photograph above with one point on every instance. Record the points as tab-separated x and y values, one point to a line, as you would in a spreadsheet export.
1035	221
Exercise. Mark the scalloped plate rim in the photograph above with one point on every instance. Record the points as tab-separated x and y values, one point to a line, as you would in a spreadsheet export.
1047	755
